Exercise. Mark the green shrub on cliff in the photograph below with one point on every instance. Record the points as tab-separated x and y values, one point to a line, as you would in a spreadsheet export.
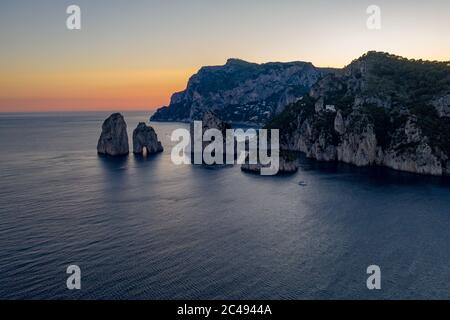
384	89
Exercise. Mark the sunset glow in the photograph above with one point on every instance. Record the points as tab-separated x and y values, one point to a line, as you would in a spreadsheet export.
134	56
90	90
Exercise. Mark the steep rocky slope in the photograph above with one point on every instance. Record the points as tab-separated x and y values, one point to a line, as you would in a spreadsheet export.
241	92
381	109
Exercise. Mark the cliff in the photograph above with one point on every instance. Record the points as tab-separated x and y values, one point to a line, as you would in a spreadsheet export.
379	110
241	92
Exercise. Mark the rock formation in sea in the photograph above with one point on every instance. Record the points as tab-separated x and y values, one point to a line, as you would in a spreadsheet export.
242	92
145	137
288	163
113	140
210	120
380	110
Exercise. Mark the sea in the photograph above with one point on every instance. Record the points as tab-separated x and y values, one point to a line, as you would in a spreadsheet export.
141	227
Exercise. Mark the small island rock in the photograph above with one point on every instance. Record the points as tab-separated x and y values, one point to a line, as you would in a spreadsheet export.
288	164
145	137
113	140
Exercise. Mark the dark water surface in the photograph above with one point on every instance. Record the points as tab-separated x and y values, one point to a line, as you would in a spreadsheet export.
147	229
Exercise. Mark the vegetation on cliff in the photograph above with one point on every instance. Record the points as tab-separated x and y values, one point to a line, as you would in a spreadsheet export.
399	105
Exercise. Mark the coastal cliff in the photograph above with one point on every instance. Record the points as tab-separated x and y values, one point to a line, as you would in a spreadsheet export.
242	92
379	110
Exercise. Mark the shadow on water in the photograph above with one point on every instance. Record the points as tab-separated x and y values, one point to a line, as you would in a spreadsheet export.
376	175
203	165
144	158
212	167
114	177
113	164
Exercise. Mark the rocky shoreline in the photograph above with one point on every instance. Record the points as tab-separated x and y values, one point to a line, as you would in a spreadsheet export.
357	117
380	110
113	140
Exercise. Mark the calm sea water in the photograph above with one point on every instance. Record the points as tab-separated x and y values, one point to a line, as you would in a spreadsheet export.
144	228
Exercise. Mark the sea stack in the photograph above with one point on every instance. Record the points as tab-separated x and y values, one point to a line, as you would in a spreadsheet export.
145	137
209	120
288	164
114	138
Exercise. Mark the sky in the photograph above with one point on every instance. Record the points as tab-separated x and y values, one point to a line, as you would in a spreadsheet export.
132	55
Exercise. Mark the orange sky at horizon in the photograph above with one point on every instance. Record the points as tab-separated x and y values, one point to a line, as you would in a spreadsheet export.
94	90
100	90
135	55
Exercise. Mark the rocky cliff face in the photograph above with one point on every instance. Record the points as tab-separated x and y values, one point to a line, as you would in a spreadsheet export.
113	140
241	92
286	165
144	137
209	120
380	110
